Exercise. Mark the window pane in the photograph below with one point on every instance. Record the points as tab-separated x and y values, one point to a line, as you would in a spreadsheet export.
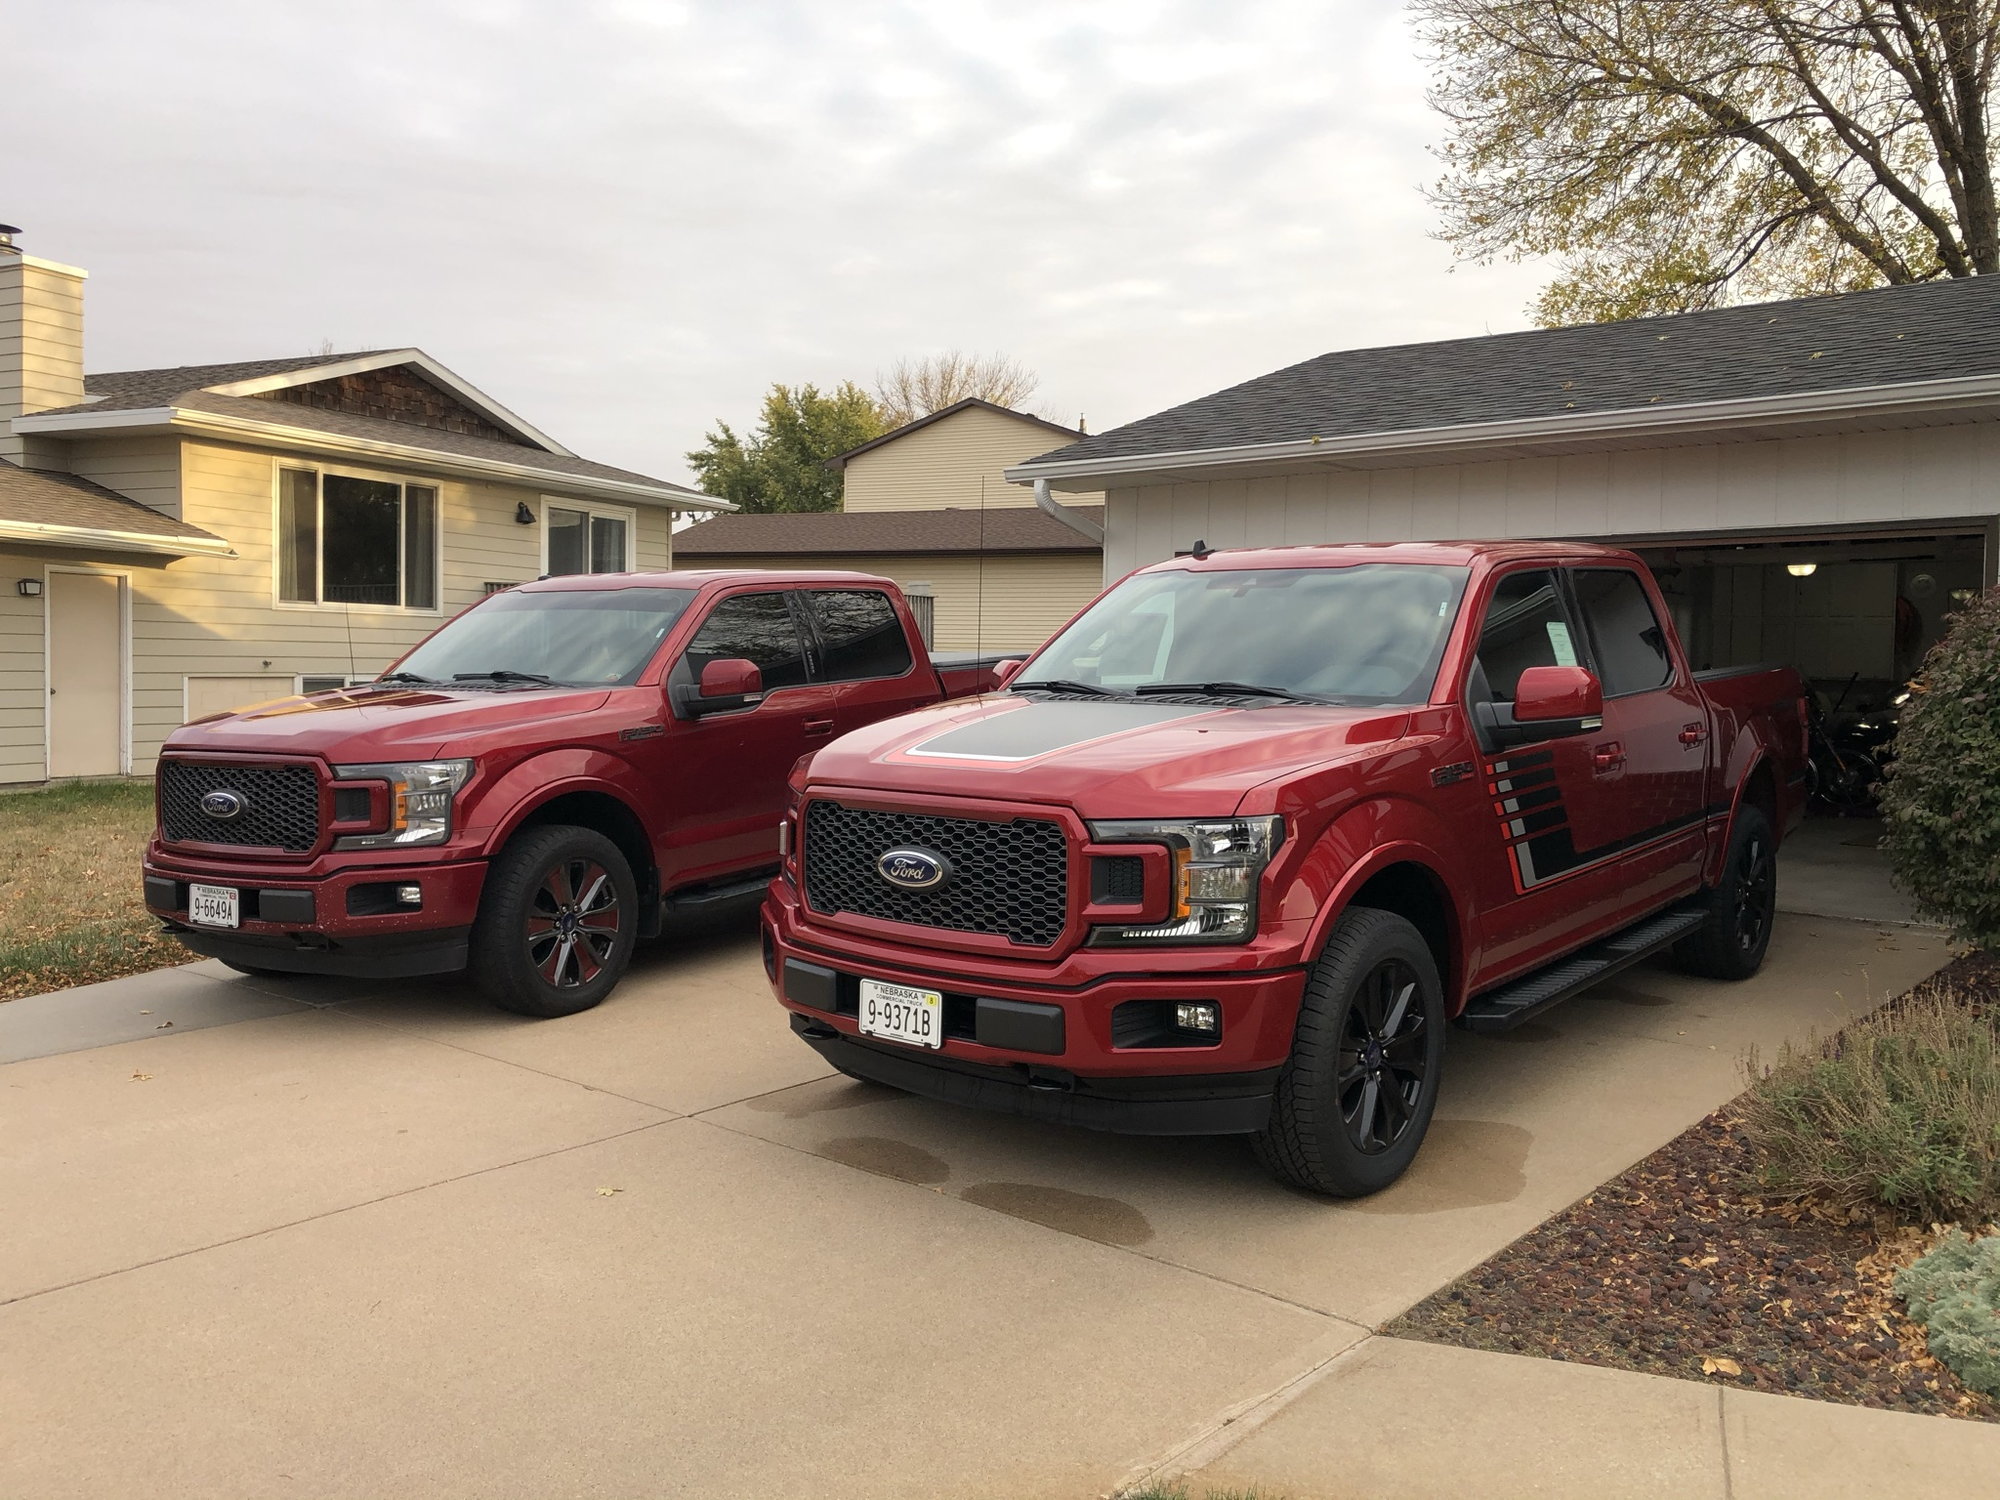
363	524
607	544
419	546
1525	627
297	542
755	627
590	637
1631	648
862	636
566	539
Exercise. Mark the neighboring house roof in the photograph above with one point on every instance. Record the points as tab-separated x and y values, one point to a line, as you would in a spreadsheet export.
997	529
228	401
1776	358
65	510
839	461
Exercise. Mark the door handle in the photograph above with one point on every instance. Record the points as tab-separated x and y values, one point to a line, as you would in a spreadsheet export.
1608	756
818	727
1693	734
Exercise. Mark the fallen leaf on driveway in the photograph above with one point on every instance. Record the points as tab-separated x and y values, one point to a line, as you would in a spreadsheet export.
163	1025
1720	1364
607	1192
141	1077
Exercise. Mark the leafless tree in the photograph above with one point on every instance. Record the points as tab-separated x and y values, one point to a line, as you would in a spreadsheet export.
915	388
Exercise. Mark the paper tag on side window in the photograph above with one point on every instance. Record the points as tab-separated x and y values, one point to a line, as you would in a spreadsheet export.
1559	643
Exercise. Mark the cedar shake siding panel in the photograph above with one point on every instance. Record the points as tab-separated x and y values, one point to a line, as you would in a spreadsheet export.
396	394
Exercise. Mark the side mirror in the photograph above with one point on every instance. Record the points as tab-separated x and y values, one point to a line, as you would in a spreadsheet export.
1007	671
1546	693
728	683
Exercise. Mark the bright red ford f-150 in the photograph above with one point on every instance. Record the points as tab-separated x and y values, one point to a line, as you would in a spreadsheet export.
1232	849
535	786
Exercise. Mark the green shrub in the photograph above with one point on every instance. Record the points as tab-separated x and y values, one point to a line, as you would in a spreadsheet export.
1899	1111
1955	1293
1941	795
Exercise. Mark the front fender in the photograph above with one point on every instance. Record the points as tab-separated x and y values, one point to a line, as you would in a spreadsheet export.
540	779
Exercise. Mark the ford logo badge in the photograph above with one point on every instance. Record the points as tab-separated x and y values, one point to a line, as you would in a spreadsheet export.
913	869
224	805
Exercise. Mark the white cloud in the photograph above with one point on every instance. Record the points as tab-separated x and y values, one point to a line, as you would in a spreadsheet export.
627	219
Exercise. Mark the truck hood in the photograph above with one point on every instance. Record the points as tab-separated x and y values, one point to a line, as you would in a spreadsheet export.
1107	759
358	725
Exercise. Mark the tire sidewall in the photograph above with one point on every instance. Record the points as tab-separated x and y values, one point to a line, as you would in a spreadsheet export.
500	962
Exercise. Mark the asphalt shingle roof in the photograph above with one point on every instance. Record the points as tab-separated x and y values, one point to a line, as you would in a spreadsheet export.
51	499
1888	336
829	533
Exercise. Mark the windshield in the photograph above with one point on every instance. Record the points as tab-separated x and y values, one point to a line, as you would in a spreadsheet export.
578	638
1373	633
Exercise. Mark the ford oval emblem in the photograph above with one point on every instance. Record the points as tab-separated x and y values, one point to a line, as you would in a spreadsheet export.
913	869
224	805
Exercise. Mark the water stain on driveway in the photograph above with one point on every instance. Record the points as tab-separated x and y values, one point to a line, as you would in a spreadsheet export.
1085	1215
887	1158
1463	1164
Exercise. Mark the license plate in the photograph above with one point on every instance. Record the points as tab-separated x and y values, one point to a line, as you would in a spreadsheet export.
214	905
897	1013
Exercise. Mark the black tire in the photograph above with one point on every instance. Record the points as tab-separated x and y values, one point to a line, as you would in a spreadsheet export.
1741	909
255	973
556	922
1358	1091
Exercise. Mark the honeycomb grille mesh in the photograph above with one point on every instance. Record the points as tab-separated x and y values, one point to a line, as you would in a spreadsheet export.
1008	879
282	809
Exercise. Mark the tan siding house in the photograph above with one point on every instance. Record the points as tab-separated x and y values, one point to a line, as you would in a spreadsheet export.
179	542
928	506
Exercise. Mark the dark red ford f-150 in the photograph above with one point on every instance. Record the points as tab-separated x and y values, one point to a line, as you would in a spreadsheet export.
533	787
1230	851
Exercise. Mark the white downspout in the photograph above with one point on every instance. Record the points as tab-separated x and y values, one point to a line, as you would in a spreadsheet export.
1082	525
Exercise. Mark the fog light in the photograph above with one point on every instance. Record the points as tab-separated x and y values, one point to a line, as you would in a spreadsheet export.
1198	1015
410	895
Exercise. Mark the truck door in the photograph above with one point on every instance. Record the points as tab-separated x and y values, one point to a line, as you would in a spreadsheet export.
1650	761
1537	819
732	766
863	648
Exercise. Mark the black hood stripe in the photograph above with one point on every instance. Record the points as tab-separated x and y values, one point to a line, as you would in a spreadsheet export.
1044	728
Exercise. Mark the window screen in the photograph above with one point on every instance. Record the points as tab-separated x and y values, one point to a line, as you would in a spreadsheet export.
361	546
754	627
1525	627
861	634
1631	648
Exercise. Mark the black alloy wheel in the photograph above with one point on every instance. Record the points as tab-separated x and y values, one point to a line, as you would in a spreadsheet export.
1742	908
1383	1058
557	922
1754	898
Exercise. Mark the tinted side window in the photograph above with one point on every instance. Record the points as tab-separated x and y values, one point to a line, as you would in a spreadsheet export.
755	627
861	634
1631	648
1525	627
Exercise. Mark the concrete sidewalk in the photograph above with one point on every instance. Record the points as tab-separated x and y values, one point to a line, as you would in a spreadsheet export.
361	1240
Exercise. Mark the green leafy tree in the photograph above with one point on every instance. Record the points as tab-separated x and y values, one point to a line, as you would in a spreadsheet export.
1678	154
781	466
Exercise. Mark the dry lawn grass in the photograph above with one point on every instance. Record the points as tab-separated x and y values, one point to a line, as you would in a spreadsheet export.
70	908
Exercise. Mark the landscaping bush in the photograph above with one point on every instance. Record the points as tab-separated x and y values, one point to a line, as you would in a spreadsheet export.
1941	795
1955	1293
1900	1111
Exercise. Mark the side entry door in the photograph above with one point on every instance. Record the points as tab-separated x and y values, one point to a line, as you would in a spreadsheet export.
1651	759
1540	817
864	650
732	766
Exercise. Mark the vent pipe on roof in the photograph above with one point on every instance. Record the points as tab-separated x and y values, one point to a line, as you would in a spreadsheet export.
7	245
1082	525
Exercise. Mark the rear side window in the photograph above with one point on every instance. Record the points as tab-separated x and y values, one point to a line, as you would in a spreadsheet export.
1630	646
1525	627
754	627
861	634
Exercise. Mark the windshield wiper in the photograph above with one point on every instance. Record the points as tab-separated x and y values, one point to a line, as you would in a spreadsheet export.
504	674
1065	685
402	677
1231	690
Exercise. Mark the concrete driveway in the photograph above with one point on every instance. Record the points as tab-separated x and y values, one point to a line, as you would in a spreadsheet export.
323	1239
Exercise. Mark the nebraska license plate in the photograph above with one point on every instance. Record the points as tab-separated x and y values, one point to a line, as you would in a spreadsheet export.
898	1013
214	906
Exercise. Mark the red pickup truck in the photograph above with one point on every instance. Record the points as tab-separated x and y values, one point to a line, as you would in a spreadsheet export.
1232	849
534	787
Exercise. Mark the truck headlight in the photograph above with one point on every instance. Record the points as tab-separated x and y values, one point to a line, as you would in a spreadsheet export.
1216	864
420	794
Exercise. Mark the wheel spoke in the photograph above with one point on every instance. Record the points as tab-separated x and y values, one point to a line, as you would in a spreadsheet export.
1398	1107
1398	1010
1362	1122
599	887
540	924
1409	1046
559	886
587	965
552	967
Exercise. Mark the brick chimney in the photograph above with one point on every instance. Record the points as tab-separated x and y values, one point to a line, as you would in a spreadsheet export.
41	345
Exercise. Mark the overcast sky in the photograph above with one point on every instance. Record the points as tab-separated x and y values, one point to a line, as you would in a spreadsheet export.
625	220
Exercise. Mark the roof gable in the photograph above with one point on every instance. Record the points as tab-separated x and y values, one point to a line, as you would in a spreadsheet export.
840	461
394	393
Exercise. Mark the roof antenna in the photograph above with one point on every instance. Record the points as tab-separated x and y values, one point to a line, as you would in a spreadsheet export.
1200	550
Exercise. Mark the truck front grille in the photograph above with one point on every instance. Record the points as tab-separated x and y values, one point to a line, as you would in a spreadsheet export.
280	805
1007	879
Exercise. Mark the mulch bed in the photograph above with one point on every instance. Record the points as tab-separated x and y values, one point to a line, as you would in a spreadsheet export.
1680	1267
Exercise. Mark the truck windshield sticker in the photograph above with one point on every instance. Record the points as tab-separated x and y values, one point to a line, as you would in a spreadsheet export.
1559	643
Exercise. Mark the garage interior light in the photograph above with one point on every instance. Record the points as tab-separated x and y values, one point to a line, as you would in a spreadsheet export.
1801	570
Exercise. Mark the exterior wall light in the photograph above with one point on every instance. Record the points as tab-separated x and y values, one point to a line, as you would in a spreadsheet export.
1802	570
522	515
28	588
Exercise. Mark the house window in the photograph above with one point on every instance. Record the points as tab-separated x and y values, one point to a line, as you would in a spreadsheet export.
344	540
585	538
